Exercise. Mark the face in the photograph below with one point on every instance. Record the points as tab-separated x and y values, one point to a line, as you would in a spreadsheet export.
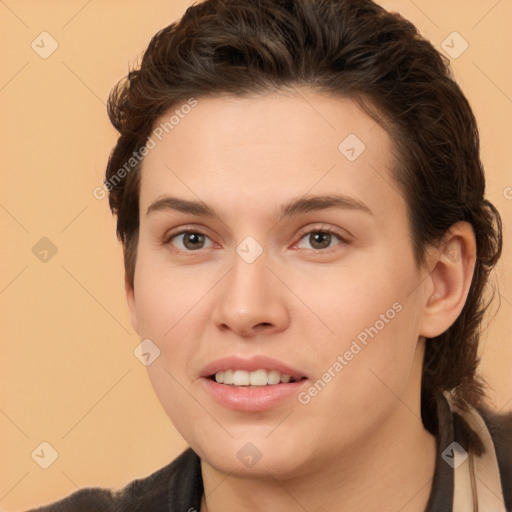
271	241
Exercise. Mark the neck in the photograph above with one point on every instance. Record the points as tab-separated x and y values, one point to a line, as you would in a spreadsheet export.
392	471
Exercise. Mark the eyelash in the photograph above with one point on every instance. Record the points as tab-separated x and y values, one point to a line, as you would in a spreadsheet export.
322	229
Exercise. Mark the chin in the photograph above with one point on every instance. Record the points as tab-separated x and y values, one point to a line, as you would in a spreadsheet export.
259	459
278	468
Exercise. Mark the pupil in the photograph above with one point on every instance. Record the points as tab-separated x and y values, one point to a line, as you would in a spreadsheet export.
321	239
192	240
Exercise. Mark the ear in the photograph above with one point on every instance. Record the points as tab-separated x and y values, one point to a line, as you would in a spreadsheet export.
130	299
449	281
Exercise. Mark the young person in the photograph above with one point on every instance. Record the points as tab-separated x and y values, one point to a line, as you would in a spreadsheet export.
301	203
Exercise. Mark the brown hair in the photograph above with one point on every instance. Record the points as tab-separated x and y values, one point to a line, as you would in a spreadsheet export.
348	48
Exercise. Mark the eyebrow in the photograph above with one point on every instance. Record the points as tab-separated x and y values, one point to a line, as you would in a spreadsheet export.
295	207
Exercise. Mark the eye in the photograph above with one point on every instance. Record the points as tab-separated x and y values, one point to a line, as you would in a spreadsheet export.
320	239
189	240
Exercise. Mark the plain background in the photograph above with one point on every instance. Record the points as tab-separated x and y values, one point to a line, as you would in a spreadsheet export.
68	373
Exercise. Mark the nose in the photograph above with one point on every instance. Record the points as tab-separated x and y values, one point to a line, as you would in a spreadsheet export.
251	300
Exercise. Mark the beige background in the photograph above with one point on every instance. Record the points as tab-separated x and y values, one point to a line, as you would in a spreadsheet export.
68	373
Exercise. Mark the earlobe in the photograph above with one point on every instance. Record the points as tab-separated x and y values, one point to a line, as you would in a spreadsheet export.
447	287
130	299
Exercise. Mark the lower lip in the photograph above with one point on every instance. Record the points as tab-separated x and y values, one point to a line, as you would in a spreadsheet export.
252	399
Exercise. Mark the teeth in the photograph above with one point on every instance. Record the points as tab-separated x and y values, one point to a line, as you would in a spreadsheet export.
228	376
241	378
256	378
273	377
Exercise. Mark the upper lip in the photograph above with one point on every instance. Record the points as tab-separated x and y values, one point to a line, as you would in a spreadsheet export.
250	364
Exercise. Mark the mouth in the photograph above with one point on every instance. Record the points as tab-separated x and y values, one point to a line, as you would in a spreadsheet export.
254	379
256	384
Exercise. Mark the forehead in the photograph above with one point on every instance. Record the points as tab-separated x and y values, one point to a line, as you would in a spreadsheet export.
236	150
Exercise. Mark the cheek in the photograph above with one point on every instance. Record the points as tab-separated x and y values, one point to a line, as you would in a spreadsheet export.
369	318
358	382
168	315
363	294
166	296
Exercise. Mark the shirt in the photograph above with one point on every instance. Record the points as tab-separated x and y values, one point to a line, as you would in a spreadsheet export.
178	487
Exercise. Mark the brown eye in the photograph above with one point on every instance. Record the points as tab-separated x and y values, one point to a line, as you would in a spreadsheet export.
193	240
319	239
189	240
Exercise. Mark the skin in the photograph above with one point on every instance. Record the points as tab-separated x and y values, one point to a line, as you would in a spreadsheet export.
359	444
